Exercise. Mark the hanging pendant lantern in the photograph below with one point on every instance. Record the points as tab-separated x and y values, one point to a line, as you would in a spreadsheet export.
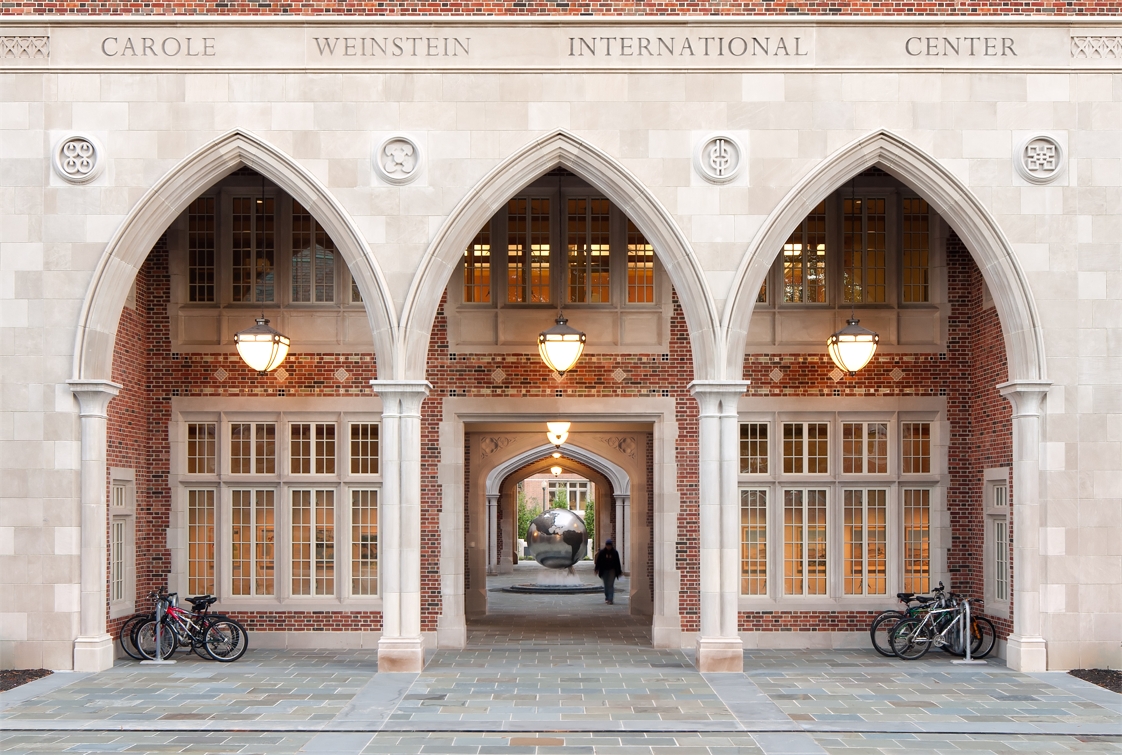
561	346
557	433
261	347
852	347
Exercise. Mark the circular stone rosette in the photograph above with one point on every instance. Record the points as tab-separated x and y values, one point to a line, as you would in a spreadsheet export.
78	158
1039	159
719	159
398	160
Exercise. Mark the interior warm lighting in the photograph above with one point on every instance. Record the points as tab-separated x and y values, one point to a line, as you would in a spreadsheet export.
558	432
852	347
556	471
561	346
556	454
261	347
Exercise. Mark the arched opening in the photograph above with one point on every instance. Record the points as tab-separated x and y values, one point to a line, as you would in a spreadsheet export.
221	480
899	477
515	485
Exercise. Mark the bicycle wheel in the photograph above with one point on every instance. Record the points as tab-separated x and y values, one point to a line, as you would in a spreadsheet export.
225	640
128	636
984	637
146	640
880	631
910	639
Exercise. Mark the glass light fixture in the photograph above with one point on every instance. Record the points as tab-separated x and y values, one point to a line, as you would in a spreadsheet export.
556	454
262	347
558	432
561	346
556	471
852	347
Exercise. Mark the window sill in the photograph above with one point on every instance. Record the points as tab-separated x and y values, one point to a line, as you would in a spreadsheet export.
817	603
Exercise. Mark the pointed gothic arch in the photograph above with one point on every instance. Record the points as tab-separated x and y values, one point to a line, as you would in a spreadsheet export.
991	250
162	204
616	476
559	148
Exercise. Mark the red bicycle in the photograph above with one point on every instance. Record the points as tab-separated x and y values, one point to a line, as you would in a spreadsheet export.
219	638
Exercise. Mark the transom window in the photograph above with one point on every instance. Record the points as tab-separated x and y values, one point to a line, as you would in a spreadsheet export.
280	522
837	538
869	245
559	242
252	244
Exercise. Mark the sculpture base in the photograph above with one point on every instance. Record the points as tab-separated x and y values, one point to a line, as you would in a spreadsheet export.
533	589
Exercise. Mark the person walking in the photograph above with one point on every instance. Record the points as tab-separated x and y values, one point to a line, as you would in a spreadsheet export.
608	567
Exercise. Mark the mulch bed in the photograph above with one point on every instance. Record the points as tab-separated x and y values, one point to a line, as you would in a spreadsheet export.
1106	678
11	678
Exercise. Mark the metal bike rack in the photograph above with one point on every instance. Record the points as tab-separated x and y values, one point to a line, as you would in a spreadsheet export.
161	611
966	643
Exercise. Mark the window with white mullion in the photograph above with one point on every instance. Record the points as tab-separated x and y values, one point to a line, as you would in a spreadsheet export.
313	542
806	447
753	541
864	541
805	555
364	541
996	546
864	447
253	542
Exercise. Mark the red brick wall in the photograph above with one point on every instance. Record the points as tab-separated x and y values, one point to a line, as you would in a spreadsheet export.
979	420
565	8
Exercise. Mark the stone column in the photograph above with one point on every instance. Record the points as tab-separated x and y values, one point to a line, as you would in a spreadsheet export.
623	530
1026	649
720	647
93	648
401	648
492	534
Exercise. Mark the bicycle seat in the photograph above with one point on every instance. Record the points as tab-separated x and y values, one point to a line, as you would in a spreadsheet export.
905	596
202	602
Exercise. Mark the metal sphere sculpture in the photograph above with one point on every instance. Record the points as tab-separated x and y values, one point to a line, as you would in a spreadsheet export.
557	539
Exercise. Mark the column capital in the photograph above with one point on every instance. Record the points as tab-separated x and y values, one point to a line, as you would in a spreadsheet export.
712	393
93	396
409	392
1026	396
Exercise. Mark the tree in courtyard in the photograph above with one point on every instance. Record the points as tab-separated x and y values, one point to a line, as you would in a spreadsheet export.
525	514
590	523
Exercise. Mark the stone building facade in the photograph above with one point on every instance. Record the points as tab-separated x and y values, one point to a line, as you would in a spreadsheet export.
412	199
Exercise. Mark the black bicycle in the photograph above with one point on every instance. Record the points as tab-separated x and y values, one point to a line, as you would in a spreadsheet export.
880	629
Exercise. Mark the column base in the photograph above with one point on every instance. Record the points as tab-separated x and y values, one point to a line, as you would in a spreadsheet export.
720	655
1027	654
451	634
93	653
401	655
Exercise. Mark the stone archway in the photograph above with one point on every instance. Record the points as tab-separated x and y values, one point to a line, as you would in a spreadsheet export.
606	174
1024	340
101	311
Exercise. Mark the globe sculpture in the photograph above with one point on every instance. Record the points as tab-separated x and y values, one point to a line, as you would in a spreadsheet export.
557	539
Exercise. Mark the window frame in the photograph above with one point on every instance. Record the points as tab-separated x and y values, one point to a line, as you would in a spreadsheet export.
342	413
891	412
123	480
995	479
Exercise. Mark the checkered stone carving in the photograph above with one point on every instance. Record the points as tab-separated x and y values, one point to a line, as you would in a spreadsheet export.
25	48
498	375
776	375
1096	48
896	374
341	375
221	374
281	375
1040	159
619	375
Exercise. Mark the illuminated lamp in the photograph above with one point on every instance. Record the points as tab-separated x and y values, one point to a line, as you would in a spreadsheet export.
561	346
852	347
261	347
558	432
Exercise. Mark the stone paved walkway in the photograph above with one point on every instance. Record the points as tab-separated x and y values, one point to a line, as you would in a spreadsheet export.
539	688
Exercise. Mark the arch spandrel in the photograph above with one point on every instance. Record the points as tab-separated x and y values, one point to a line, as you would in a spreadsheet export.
953	200
603	172
163	203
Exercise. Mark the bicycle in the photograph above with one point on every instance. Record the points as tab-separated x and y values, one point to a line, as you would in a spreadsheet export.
219	638
880	629
912	638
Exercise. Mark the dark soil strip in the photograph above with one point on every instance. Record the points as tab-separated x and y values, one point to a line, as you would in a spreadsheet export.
11	678
1106	678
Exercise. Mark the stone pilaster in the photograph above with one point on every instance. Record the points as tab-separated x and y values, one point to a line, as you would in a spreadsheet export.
719	647
401	647
1026	650
93	648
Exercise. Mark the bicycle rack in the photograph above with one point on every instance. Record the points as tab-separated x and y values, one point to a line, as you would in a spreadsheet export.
966	643
161	611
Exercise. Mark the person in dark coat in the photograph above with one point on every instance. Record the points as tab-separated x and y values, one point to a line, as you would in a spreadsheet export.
609	569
